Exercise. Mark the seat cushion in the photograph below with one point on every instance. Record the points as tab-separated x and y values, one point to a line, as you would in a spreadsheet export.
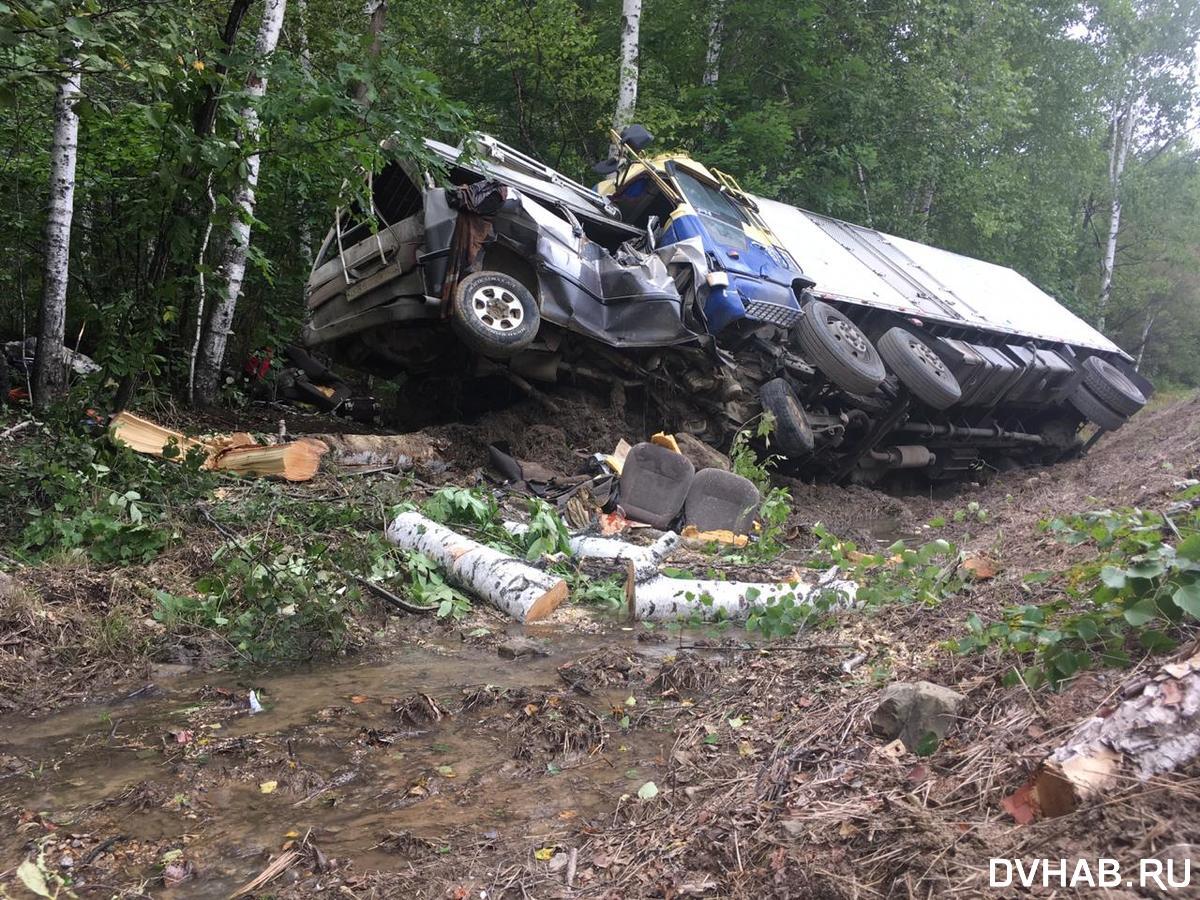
654	484
721	501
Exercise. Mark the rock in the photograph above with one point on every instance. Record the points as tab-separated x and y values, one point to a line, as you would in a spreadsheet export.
702	455
520	648
911	710
8	586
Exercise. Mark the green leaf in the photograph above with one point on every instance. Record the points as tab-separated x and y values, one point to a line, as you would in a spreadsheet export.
648	791
1187	598
31	876
1113	577
1189	548
1140	613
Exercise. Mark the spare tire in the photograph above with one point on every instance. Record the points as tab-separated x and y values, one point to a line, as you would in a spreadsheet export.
793	434
837	347
919	368
1111	386
1095	411
494	314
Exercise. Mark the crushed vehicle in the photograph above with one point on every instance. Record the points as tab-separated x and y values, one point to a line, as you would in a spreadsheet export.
871	353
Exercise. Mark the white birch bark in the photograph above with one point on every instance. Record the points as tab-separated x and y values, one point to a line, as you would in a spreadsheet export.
627	83
233	266
1123	121
1141	354
712	53
49	368
1155	729
509	584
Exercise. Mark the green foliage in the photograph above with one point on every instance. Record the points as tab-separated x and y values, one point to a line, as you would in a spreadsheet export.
75	494
777	501
900	574
1139	594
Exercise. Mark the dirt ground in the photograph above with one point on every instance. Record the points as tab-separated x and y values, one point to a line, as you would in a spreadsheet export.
629	762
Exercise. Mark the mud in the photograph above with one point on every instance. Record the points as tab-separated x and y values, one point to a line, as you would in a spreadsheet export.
183	790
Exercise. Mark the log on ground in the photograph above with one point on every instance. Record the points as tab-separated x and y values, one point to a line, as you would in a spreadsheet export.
509	584
1155	730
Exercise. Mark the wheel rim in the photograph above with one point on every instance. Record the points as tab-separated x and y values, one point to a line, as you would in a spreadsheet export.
497	307
847	334
929	359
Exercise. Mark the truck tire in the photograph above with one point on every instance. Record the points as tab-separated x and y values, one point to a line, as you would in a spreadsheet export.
494	314
1095	411
919	368
837	347
793	434
1110	386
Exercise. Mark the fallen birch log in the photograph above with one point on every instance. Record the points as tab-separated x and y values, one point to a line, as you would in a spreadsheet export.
237	452
661	598
294	461
1155	730
507	583
646	560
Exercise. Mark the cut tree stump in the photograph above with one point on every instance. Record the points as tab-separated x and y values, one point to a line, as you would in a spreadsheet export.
1154	730
507	583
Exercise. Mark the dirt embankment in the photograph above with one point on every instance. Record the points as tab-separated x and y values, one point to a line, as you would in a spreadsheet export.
635	763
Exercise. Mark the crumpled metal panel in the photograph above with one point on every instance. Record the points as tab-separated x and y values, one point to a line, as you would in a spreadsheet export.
867	267
622	299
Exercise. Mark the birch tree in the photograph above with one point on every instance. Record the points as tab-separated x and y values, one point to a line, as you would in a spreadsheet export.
712	51
627	83
237	245
1121	127
49	378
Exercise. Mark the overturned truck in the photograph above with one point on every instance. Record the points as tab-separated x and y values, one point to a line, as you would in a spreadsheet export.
869	353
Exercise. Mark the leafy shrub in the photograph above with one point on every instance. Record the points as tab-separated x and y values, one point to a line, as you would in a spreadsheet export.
1142	589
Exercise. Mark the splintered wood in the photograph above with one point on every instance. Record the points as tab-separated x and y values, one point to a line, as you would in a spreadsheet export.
294	461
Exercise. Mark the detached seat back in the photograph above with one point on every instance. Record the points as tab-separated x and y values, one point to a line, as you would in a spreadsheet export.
654	484
721	501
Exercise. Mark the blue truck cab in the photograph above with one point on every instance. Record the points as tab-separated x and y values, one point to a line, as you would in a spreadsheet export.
751	278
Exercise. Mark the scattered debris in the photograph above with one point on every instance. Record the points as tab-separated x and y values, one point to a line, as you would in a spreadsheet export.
701	454
519	647
654	484
980	567
255	706
721	501
914	710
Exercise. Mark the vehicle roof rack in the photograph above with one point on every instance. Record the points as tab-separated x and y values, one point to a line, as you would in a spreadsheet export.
510	156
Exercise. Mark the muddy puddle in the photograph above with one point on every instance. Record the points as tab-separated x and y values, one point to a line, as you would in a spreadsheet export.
441	749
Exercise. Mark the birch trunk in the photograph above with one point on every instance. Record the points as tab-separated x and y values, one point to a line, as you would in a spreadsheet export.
517	588
1155	729
627	83
1137	366
376	13
1122	133
712	54
49	379
233	266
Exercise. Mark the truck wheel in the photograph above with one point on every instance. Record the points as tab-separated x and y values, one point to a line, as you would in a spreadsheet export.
1095	411
793	434
837	347
1111	387
919	368
494	314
